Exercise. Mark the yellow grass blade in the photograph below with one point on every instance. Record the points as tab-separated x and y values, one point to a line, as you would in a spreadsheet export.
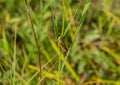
112	53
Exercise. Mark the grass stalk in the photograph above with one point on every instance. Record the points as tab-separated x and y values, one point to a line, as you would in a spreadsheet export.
14	62
63	18
33	30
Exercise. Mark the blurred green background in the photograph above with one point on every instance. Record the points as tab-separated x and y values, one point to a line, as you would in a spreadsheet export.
94	57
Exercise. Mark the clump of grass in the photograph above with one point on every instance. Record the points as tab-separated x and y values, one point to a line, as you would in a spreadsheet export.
79	42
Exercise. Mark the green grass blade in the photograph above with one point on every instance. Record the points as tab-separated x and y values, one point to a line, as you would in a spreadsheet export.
82	19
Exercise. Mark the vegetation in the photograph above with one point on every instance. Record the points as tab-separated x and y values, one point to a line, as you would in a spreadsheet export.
79	42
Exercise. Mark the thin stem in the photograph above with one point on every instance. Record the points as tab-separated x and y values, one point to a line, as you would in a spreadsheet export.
14	65
63	18
39	57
